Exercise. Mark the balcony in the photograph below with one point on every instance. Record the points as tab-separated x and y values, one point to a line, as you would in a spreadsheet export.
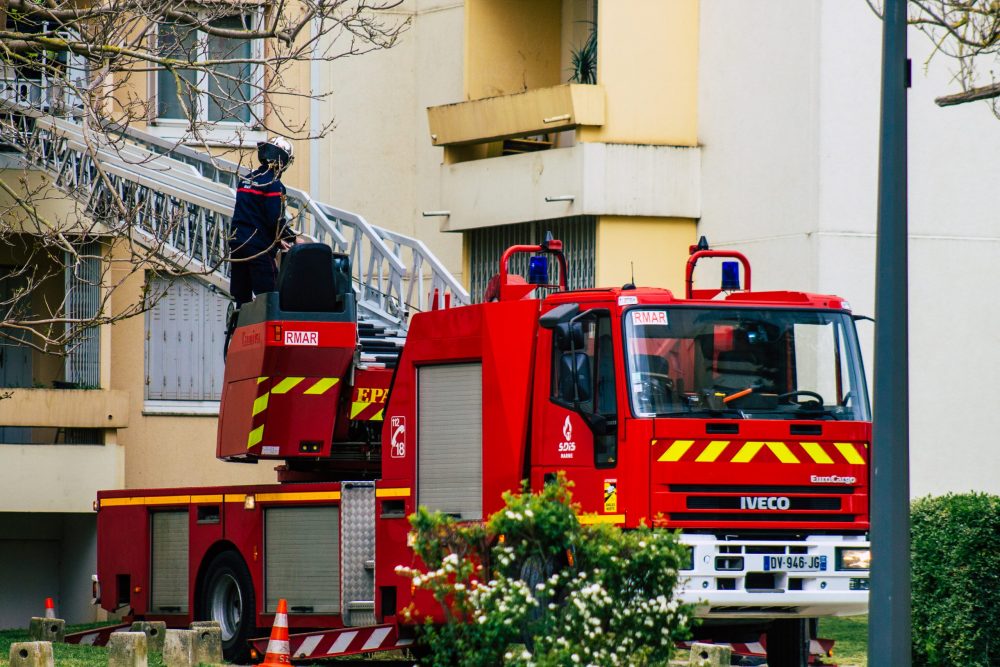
586	179
65	408
539	111
60	477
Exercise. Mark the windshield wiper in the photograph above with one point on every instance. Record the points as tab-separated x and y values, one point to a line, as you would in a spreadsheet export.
695	412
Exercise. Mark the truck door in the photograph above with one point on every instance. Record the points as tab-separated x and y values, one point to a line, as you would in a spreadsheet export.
579	430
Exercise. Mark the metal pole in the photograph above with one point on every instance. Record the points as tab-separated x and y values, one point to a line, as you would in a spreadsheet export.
889	608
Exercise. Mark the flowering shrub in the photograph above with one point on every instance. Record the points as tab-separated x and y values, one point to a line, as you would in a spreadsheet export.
534	587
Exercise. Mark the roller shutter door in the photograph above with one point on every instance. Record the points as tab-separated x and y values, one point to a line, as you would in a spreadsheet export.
450	439
302	562
169	593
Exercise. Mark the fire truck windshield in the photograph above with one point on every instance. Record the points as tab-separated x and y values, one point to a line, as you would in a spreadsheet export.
744	363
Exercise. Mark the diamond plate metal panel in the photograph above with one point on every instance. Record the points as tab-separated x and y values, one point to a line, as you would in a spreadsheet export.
357	506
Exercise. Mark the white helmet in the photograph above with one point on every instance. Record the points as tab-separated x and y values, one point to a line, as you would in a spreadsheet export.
275	150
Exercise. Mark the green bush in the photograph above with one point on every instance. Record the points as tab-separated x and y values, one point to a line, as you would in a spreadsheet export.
534	587
955	542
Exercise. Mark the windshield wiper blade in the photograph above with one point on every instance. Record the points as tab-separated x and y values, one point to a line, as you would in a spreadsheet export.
697	412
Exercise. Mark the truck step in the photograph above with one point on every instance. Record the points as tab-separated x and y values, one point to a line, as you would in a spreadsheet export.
361	605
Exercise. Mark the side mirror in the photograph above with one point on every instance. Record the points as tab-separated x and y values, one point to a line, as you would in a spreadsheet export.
568	336
558	315
574	377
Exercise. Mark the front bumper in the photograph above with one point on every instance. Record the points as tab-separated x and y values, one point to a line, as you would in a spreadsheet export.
730	579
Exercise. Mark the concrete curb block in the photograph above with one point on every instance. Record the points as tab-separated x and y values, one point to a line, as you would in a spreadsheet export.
47	629
178	648
155	632
127	649
32	654
710	655
207	644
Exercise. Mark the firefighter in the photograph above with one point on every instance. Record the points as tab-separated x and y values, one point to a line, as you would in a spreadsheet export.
259	229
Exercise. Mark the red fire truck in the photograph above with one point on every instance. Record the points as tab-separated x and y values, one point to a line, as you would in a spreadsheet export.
739	417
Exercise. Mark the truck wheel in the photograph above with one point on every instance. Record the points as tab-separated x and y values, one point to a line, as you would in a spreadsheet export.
227	597
788	643
534	570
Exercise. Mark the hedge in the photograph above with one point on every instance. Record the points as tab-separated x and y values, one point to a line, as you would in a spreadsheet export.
955	545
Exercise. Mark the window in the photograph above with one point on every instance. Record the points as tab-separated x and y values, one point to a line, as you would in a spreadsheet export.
184	336
228	94
765	364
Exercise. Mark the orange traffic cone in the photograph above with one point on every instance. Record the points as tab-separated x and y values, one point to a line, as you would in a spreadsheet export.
277	646
50	608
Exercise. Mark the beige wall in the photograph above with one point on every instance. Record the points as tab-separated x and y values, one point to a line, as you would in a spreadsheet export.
512	46
378	160
657	247
647	61
164	451
57	478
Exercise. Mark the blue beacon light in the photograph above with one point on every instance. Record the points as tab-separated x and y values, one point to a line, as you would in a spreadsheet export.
538	270
730	276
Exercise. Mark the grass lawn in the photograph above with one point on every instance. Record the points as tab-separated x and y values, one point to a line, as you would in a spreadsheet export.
67	655
851	633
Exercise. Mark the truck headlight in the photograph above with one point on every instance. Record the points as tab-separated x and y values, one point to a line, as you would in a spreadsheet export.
853	559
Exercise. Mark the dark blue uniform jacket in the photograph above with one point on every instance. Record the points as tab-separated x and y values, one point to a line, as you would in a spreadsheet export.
259	215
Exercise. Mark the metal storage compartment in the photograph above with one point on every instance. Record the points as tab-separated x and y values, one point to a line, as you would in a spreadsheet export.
450	439
302	559
169	562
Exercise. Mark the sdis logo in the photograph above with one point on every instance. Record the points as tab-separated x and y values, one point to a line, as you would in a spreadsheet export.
302	338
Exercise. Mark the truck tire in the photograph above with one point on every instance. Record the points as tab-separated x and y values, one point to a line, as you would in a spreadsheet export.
788	643
227	597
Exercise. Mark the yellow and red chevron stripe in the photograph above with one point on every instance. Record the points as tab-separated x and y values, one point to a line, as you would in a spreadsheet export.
762	451
368	403
268	386
367	411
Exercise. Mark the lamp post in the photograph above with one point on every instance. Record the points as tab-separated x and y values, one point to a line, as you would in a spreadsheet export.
889	607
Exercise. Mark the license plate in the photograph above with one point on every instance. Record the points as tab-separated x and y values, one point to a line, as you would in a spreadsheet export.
794	563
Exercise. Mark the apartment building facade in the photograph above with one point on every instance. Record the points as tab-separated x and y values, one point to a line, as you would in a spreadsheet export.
133	404
752	123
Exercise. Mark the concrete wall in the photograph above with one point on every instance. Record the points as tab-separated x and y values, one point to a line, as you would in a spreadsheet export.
378	160
788	121
657	248
512	46
57	478
46	555
647	61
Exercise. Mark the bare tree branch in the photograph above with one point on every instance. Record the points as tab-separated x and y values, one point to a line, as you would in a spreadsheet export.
107	66
967	32
973	95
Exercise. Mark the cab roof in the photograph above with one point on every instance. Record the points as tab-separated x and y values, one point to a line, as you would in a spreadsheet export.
627	296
